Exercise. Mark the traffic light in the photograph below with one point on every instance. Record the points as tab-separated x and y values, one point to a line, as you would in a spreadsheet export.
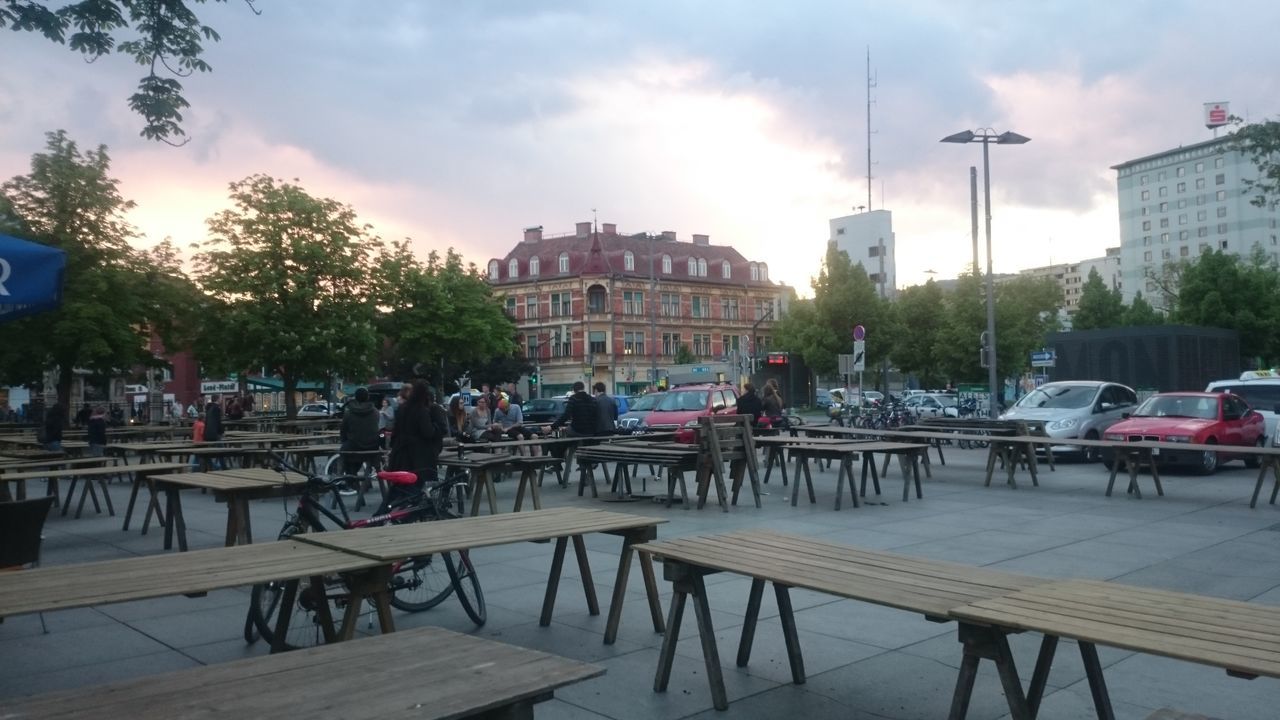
533	378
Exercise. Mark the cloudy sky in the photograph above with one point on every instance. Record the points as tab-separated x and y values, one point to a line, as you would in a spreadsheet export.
459	124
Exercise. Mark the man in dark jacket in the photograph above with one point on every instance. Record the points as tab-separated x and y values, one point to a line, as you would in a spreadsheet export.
749	403
359	430
213	419
418	434
580	413
606	411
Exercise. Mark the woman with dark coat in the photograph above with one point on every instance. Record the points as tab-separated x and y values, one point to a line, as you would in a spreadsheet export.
418	434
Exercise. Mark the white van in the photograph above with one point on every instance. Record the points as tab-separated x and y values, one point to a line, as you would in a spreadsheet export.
1261	389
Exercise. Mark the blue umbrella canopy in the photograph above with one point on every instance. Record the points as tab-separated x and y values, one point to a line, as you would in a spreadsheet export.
30	278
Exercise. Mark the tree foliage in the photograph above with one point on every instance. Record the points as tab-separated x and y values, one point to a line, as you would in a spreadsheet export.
1099	306
167	41
1222	290
915	349
1141	313
1261	142
287	277
958	338
1026	311
114	297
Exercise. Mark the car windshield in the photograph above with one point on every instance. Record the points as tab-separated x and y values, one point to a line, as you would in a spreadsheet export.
646	402
1060	396
1184	406
684	400
945	400
540	405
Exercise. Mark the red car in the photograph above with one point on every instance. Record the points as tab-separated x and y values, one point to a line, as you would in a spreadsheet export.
684	404
1202	418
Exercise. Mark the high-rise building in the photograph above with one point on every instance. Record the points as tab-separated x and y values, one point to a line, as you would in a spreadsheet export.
602	305
868	239
1177	204
1072	276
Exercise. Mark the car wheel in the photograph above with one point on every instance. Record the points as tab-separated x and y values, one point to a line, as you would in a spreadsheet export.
1251	461
1092	454
1209	459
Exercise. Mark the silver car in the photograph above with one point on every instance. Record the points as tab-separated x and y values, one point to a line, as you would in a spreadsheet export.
1075	409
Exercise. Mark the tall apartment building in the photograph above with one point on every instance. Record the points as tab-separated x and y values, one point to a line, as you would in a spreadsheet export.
1179	203
602	305
1072	276
868	239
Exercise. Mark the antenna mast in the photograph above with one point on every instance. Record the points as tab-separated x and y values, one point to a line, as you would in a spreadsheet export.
871	83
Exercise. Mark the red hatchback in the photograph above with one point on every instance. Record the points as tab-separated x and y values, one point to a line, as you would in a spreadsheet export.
1202	418
684	404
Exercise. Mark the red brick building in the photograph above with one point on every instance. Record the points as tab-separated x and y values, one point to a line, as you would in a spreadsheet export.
601	305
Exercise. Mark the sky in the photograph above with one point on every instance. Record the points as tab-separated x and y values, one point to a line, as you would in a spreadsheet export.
460	124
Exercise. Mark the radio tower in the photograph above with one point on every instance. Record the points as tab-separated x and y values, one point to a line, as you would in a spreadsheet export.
871	83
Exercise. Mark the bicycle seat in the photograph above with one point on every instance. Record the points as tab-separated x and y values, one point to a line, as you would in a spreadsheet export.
398	477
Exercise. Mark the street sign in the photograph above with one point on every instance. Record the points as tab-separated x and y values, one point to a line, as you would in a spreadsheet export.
845	362
700	370
1044	358
859	333
859	355
211	387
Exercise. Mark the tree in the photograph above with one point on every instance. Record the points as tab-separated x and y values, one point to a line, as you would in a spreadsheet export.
1140	312
958	338
1099	307
1222	290
1026	311
684	356
915	350
168	41
441	313
113	296
287	280
1261	142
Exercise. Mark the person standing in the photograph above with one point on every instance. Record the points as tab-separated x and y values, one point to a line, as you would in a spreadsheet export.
606	411
213	419
97	432
55	418
580	413
192	411
418	435
386	418
513	396
359	430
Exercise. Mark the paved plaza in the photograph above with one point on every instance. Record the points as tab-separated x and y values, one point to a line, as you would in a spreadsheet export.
863	661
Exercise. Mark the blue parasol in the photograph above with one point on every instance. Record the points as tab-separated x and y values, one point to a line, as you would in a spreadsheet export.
30	278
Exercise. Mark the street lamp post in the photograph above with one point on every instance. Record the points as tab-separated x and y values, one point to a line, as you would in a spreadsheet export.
986	136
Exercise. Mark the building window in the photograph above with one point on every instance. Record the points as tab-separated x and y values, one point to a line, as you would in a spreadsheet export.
530	307
533	266
726	271
670	343
1160	176
666	264
564	262
1184	251
1222	244
1146	255
1146	224
1164	222
762	307
1182	203
839	231
1222	195
1220	179
531	349
755	272
1182	171
1146	194
513	269
1219	162
1164	254
1182	219
1142	180
493	269
702	267
873	251
1201	215
561	305
511	308
701	307
1164	207
1182	187
597	299
1200	167
1204	248
1202	231
764	272
1146	240
729	308
1222	211
632	302
1199	183
1164	191
670	305
1222	228
1184	234
701	345
633	343
561	347
1164	238
693	267
596	343
1145	211
628	261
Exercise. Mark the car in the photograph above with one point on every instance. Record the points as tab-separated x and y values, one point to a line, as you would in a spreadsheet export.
1075	409
1200	418
640	408
824	398
931	405
1261	389
684	404
319	409
543	410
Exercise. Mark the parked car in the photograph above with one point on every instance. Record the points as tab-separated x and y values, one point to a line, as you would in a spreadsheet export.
319	409
1075	409
824	398
1202	418
931	405
684	404
543	410
1261	389
640	408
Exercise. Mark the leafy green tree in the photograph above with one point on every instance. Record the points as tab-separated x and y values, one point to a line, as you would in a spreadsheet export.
113	296
1026	311
684	356
287	278
167	42
1099	307
1140	312
915	349
1261	142
964	318
1222	290
441	313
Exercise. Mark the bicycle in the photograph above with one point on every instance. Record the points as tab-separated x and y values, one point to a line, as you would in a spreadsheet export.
417	583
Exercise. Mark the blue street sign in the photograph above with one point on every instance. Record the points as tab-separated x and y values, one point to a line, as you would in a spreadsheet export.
699	370
1043	358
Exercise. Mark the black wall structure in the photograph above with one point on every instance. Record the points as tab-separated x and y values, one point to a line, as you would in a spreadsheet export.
1163	357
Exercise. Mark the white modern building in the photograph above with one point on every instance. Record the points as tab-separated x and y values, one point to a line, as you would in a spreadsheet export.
868	239
1177	204
1071	276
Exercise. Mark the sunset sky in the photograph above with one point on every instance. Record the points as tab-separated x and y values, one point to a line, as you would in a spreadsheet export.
459	124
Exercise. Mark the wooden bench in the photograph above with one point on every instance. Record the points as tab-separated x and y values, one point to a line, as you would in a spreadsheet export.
675	459
27	466
928	587
90	475
427	673
1241	638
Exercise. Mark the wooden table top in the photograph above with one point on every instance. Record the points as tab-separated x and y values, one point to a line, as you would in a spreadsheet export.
395	542
930	587
1237	636
229	480
59	587
1144	444
464	676
475	459
150	468
21	465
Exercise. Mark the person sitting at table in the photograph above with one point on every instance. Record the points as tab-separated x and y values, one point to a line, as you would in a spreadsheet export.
508	420
771	404
479	422
359	431
457	415
749	403
579	414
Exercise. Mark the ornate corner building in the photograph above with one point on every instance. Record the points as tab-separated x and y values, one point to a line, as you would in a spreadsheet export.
600	305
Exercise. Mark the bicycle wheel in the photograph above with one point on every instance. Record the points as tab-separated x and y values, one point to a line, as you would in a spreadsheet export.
304	622
467	584
420	583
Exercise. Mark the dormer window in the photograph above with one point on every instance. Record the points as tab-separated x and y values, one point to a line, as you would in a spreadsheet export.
693	267
726	271
513	269
702	267
629	261
493	269
533	266
755	272
666	264
564	262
